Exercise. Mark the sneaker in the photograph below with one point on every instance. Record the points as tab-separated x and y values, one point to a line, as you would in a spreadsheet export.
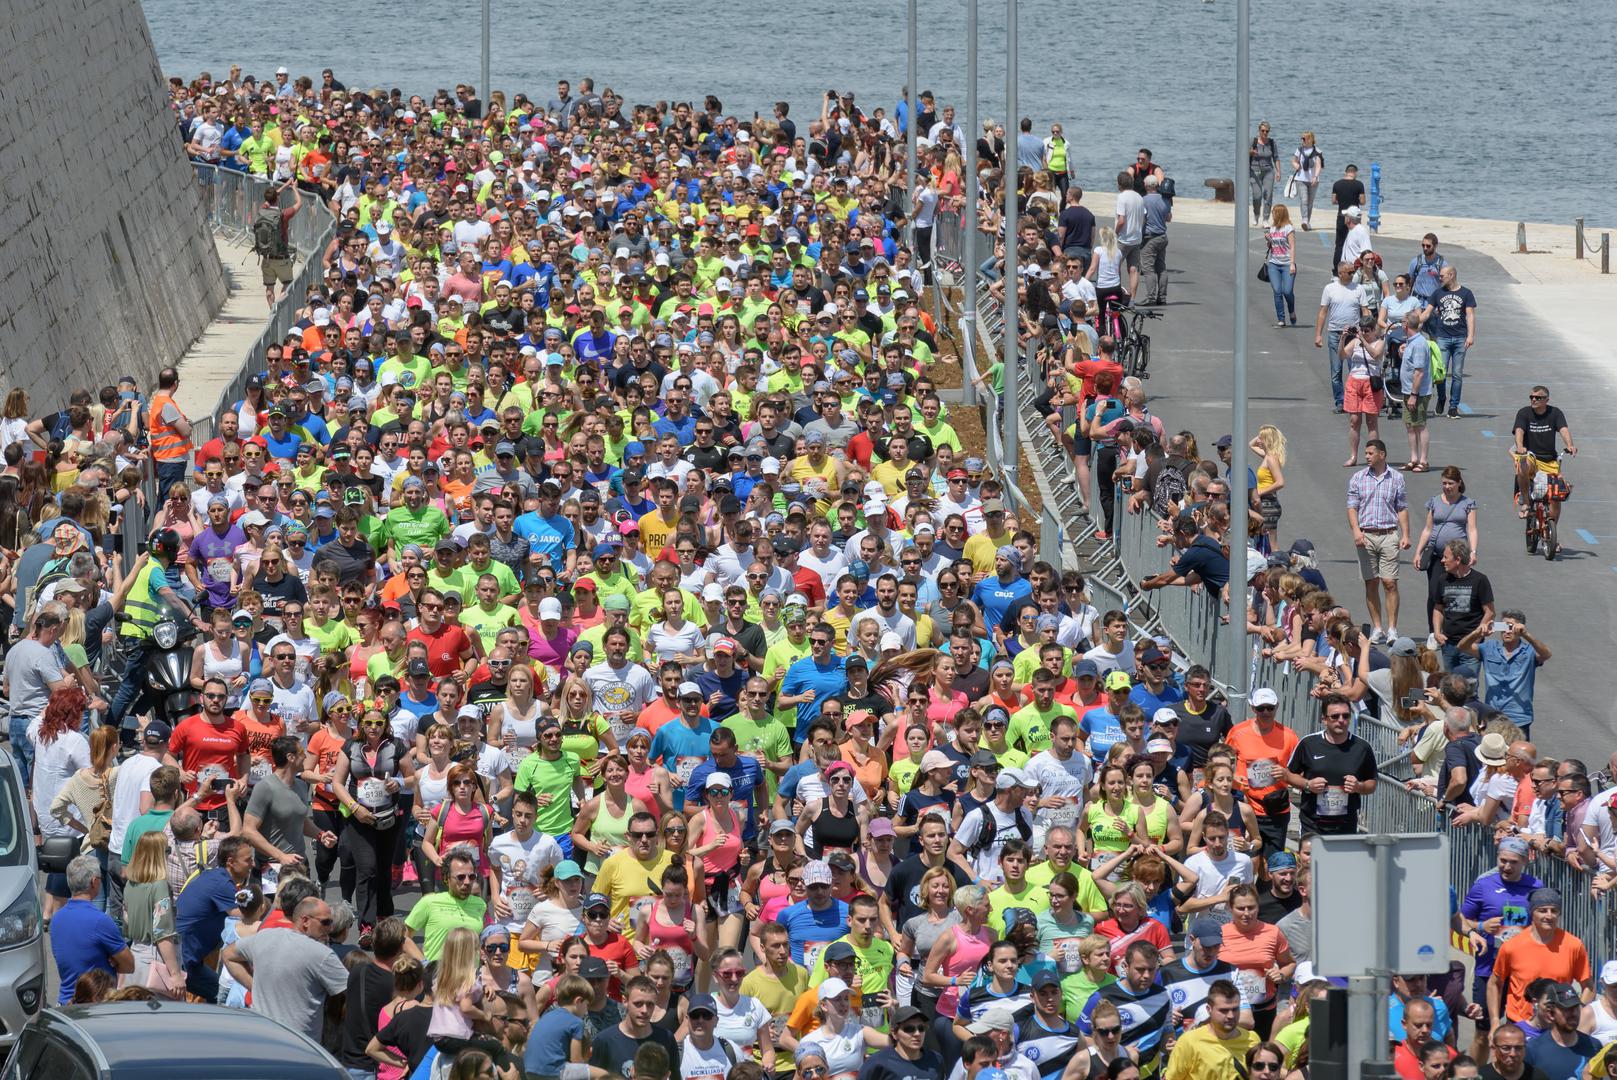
365	930
1378	636
1280	325
1453	413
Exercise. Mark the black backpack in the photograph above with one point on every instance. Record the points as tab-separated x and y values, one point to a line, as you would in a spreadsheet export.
268	240
990	830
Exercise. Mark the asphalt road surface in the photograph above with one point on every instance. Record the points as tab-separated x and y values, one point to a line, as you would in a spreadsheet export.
1570	604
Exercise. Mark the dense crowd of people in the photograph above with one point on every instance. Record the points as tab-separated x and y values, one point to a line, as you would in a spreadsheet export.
610	655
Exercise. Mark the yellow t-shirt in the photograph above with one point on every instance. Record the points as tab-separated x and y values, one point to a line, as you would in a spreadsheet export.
623	879
1201	1055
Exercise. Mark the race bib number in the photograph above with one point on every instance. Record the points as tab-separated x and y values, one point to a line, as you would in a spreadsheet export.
219	570
811	953
873	1016
1332	802
1067	955
521	901
1260	774
1065	814
684	767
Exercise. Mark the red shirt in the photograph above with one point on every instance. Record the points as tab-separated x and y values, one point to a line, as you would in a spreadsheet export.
198	744
445	648
616	947
809	583
1088	369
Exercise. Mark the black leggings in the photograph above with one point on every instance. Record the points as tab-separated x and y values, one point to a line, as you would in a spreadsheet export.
370	852
1105	465
326	857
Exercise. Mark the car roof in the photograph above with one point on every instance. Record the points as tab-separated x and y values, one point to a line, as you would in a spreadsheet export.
170	1040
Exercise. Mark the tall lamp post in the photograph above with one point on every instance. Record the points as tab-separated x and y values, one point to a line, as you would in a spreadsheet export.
1009	406
968	213
911	132
488	19
1240	660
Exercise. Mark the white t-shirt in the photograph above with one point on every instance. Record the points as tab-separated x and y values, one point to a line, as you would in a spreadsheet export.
1356	243
1067	779
552	922
616	689
519	864
54	765
134	780
844	1051
740	1025
986	861
1131	208
1212	877
1105	661
1341	303
833	566
710	1064
1076	628
667	643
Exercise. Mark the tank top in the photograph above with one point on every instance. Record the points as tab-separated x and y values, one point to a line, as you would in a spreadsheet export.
1605	1029
431	790
967	957
774	897
525	728
226	669
830	831
676	940
1156	819
639	785
608	828
723	859
457	827
1106	275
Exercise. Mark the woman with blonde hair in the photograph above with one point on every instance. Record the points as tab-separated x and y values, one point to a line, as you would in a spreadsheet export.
921	932
1270	445
458	993
1106	271
149	916
14	418
602	824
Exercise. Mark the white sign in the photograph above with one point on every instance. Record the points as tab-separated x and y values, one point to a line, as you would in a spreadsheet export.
1355	926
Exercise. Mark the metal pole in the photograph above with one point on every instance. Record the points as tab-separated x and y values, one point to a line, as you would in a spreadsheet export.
1010	406
968	213
1240	659
488	18
912	169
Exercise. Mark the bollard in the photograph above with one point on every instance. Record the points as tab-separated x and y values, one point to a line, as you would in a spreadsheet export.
1577	238
1605	253
1521	238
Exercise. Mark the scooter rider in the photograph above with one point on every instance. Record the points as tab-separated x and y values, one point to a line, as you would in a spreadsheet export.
145	608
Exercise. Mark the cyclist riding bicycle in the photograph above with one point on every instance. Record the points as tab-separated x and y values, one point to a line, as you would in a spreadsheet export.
1538	423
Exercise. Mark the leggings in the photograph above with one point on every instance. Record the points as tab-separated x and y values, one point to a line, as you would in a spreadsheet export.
326	857
370	852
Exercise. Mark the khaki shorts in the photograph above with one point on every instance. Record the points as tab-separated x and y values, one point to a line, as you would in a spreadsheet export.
1378	558
277	271
1416	417
1129	255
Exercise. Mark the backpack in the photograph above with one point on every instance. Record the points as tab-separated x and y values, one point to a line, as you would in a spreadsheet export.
1167	492
1440	366
1166	188
268	240
990	829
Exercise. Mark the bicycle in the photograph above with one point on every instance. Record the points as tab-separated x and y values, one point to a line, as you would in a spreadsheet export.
1134	347
1542	532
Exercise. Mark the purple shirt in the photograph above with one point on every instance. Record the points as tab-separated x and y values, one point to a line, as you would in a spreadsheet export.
1378	499
214	557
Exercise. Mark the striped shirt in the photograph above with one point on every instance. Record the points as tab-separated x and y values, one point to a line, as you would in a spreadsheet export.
1378	498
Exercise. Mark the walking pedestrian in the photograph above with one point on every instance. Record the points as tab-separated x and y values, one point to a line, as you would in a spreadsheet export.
1281	240
1130	229
1154	250
1262	160
1450	515
271	240
1307	163
1451	319
1362	353
1347	193
1378	515
1341	306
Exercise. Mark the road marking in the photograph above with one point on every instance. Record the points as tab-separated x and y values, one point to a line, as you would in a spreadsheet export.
1486	434
1464	408
1587	537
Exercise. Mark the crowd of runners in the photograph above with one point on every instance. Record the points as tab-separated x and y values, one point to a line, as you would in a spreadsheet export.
610	655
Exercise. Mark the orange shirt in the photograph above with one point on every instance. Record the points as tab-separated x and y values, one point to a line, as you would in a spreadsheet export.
1524	958
1256	952
1251	746
872	772
326	748
655	715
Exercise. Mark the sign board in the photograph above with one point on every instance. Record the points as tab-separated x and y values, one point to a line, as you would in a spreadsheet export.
1356	925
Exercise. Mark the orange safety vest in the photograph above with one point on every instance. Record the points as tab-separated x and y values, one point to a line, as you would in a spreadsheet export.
166	443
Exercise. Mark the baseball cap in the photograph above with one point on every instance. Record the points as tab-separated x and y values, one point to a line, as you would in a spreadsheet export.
1045	977
817	872
566	870
593	967
997	1019
881	827
1118	680
781	825
417	667
982	759
1264	696
1159	746
1207	931
156	733
700	1003
717	779
832	987
838	951
936	759
595	900
689	689
1563	996
1086	668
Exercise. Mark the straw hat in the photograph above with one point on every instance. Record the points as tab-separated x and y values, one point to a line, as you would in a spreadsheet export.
1492	749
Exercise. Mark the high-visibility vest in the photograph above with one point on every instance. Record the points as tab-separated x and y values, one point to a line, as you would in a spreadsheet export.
1058	155
143	605
166	443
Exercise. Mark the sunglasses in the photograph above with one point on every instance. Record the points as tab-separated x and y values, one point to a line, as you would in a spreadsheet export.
643	835
463	877
1109	1032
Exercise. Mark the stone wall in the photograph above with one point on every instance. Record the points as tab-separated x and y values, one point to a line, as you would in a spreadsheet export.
106	263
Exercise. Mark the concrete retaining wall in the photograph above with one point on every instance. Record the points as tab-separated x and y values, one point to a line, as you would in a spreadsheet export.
106	265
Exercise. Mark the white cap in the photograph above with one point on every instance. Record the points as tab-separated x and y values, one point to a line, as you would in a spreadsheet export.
874	507
621	253
1265	696
1164	715
282	70
689	687
1305	973
1159	746
891	640
1608	972
771	466
1009	778
832	987
723	285
469	712
712	591
829	309
661	259
716	779
321	316
874	490
550	608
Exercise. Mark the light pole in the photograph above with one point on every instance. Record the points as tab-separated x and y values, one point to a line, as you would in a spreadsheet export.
1240	661
488	19
968	213
1010	405
912	133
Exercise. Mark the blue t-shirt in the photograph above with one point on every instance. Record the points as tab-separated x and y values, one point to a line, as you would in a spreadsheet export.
684	429
281	449
1556	1061
674	741
83	939
808	926
1442	1022
729	687
994	597
1204	557
1509	686
1102	729
551	1041
746	776
1492	897
806	674
553	535
199	913
1149	703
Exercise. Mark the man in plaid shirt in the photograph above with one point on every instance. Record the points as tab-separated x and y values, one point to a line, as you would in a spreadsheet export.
1378	514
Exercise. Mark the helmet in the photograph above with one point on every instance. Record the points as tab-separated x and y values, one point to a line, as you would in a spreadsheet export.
166	543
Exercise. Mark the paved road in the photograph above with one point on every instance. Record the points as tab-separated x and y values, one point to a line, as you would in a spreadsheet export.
1571	604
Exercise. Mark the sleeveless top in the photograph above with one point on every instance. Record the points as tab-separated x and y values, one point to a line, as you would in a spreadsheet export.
610	829
1605	1029
431	790
967	957
830	831
226	669
457	827
525	728
680	945
639	785
724	858
774	897
1156	819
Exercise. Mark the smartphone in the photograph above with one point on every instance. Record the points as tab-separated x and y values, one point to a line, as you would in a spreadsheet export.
1499	627
1413	699
221	783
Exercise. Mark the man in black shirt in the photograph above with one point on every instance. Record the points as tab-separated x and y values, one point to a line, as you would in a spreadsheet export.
902	900
1537	425
1077	226
1462	601
1346	192
1278	897
908	1058
1333	769
617	1045
1202	722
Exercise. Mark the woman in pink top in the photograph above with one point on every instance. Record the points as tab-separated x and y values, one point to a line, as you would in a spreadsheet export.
649	783
942	701
548	639
674	925
462	820
716	839
956	956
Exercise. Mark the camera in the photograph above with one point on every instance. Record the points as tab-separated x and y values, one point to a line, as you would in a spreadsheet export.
221	783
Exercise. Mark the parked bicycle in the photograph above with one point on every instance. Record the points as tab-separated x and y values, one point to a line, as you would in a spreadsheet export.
1134	345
